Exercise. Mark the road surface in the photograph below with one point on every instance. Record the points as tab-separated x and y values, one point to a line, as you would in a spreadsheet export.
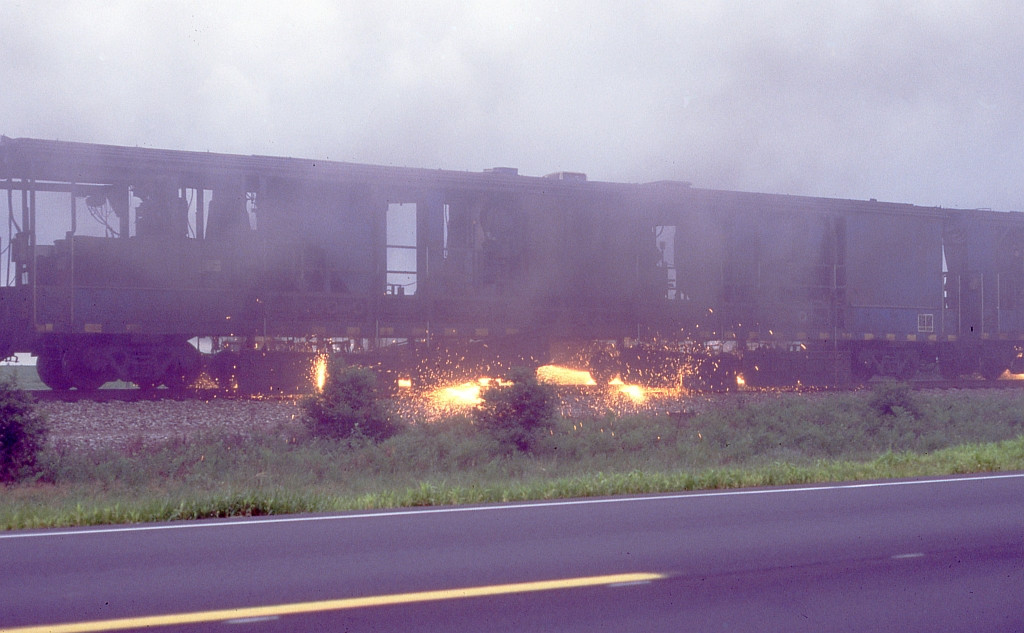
926	555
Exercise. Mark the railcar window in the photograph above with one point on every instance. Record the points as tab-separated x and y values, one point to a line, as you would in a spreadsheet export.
447	218
251	209
401	249
665	240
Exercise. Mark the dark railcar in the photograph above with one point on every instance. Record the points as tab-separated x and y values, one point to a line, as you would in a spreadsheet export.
983	292
454	271
120	256
831	285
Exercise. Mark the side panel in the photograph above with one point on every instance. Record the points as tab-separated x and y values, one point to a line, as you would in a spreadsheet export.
682	250
735	265
15	321
894	273
984	252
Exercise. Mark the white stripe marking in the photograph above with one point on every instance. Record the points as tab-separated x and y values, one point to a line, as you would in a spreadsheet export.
266	618
506	507
905	556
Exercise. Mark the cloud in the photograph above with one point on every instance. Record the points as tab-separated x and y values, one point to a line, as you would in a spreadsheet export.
907	102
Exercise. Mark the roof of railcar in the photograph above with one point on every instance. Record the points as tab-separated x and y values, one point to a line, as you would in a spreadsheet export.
720	199
75	162
65	161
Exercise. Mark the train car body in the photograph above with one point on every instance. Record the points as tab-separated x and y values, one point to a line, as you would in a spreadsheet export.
118	257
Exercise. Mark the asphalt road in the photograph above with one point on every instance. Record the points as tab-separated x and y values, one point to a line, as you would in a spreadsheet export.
928	555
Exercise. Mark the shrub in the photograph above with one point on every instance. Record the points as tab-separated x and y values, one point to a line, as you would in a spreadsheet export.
349	408
518	414
894	398
22	433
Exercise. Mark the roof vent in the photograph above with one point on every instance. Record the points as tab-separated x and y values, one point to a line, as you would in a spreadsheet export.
671	183
503	171
574	176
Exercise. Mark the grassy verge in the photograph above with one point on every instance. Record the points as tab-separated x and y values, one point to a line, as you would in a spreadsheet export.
740	441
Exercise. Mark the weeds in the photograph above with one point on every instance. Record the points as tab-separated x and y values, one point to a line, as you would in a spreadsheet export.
785	439
349	408
893	398
518	415
22	434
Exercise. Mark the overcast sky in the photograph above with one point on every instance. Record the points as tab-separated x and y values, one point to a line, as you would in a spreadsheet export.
917	102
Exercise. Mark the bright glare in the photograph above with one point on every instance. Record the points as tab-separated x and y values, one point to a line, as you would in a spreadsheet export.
636	393
465	395
740	381
320	372
558	375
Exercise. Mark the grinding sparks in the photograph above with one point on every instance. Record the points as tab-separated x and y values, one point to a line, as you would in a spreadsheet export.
319	372
576	393
465	395
566	376
558	375
636	393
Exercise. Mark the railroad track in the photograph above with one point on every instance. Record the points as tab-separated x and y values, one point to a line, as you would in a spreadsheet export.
141	395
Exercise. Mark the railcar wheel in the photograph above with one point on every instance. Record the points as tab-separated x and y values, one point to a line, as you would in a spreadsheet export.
861	371
183	369
88	367
223	368
50	367
864	365
85	381
723	371
949	365
604	367
957	360
900	364
906	365
992	367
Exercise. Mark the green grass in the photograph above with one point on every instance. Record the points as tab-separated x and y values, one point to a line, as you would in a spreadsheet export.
739	441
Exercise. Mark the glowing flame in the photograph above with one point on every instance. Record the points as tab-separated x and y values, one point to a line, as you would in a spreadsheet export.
636	393
405	383
740	381
465	395
557	375
319	372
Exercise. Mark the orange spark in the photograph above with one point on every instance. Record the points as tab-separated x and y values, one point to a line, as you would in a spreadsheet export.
319	372
558	375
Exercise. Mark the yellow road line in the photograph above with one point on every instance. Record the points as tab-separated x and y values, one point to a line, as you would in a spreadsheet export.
177	619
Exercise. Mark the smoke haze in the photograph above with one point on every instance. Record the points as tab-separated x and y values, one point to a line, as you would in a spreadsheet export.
904	101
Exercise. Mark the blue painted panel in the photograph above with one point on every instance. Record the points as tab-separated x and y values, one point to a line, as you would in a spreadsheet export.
894	261
899	321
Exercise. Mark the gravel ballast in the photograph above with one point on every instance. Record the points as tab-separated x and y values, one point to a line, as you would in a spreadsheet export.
116	425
